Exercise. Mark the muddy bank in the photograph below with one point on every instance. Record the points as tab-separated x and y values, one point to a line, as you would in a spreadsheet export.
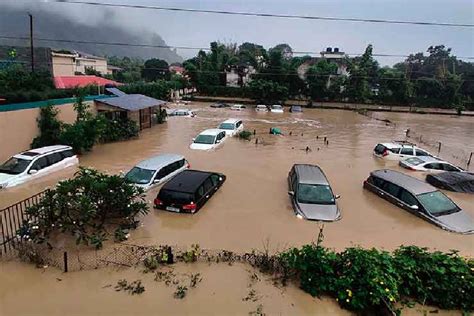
253	208
224	290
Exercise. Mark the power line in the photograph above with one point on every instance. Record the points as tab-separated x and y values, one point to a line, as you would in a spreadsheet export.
267	15
183	47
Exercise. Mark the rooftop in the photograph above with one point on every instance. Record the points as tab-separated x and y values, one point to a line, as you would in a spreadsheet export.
310	174
187	181
68	82
231	120
158	162
212	131
30	154
132	102
411	184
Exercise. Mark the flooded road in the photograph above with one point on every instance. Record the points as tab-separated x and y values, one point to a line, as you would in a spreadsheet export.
253	208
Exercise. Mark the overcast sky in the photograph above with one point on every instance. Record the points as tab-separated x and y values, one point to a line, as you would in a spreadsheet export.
198	29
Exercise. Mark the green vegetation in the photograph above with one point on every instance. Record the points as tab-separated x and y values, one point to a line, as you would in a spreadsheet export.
85	132
363	279
247	135
86	207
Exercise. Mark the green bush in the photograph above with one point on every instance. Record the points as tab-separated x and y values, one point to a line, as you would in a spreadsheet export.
442	279
84	207
81	136
364	279
49	126
116	130
245	135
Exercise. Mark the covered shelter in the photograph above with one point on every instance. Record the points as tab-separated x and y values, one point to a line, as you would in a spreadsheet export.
136	107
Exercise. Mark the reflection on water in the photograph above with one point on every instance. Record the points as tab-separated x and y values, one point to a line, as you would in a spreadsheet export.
253	205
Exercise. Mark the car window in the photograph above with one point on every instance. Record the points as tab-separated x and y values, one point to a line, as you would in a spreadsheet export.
391	189
420	152
215	179
39	164
208	185
378	182
406	151
163	173
239	123
408	198
67	154
448	167
435	166
395	150
200	192
181	163
54	158
293	180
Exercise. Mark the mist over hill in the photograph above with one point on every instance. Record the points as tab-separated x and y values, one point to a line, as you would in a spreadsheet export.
14	21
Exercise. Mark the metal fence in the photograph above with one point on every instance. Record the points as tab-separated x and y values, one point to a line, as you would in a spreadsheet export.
11	219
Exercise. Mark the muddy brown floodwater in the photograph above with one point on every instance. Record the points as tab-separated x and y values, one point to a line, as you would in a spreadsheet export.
252	208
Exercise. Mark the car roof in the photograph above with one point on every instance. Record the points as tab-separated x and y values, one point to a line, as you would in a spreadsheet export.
310	174
407	182
32	153
212	131
182	110
231	120
187	181
158	162
429	159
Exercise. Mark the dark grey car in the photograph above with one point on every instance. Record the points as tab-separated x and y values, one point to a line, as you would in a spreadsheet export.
421	199
311	194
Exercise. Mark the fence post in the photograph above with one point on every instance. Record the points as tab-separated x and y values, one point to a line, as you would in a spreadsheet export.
65	262
470	157
439	148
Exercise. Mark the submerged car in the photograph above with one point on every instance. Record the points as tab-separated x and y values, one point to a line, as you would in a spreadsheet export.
261	108
237	107
399	151
429	164
453	181
208	139
35	163
156	170
188	191
182	112
296	109
420	199
276	108
232	126
219	105
311	195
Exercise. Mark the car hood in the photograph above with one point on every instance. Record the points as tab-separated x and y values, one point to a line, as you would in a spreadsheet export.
201	146
459	222
319	212
5	178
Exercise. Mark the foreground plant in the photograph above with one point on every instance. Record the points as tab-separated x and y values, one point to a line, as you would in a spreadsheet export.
86	207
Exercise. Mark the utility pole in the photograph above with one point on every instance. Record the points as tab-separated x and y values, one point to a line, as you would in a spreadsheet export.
32	48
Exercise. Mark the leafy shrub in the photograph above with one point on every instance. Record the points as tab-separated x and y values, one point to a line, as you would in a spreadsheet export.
245	135
81	136
84	206
442	279
116	130
49	126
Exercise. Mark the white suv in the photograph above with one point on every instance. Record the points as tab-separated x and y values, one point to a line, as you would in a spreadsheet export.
399	151
232	127
35	163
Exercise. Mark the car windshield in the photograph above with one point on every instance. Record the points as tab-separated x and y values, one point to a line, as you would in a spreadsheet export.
169	196
205	139
139	175
437	204
14	166
315	194
277	107
227	126
414	161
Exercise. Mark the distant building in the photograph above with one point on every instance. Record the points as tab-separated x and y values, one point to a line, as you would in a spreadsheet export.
70	82
238	76
331	55
177	70
67	63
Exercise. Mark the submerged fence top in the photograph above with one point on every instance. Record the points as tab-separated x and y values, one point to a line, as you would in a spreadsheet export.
39	104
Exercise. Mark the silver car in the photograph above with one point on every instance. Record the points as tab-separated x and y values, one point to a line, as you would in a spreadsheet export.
311	194
421	199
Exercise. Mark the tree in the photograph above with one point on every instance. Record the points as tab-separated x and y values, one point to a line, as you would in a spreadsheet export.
155	69
49	127
394	87
267	91
362	74
318	79
285	50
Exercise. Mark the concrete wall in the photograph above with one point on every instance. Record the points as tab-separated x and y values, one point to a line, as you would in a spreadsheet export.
18	128
63	66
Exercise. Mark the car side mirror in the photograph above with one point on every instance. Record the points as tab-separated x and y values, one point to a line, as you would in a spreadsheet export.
194	139
337	196
414	207
156	181
220	179
218	141
33	171
291	193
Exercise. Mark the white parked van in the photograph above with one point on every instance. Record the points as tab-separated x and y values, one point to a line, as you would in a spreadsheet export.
35	163
232	126
237	107
261	108
276	108
208	139
156	170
